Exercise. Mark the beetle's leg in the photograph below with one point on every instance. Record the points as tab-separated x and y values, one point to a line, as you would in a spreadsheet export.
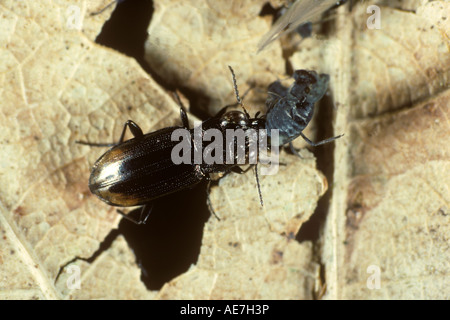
96	144
143	215
315	144
183	114
134	128
208	199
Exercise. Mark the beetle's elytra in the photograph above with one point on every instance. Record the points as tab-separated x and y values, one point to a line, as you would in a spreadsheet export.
140	169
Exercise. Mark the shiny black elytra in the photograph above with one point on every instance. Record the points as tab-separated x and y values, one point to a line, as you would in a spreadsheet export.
291	109
139	170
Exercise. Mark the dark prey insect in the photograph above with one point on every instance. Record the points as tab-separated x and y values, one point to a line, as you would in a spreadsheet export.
290	109
139	170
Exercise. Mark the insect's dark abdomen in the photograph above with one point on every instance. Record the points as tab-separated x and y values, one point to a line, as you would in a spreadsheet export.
289	120
289	110
140	170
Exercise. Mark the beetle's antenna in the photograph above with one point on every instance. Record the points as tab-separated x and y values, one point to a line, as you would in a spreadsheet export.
259	187
208	199
236	91
238	98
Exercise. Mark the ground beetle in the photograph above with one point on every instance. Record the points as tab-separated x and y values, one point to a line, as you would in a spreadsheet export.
290	109
139	170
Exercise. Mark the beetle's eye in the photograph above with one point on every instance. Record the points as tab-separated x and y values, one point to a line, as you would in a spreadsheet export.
307	90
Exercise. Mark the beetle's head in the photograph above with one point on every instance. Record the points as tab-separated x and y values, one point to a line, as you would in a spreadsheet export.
234	120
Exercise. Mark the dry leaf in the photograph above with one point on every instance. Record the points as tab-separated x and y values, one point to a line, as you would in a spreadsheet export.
59	87
388	216
191	43
251	253
112	275
389	204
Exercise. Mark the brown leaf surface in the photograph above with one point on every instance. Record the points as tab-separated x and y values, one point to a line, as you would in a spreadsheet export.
391	183
56	88
113	275
251	253
389	204
191	43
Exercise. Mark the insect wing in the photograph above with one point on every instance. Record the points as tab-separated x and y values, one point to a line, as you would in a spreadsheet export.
300	12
